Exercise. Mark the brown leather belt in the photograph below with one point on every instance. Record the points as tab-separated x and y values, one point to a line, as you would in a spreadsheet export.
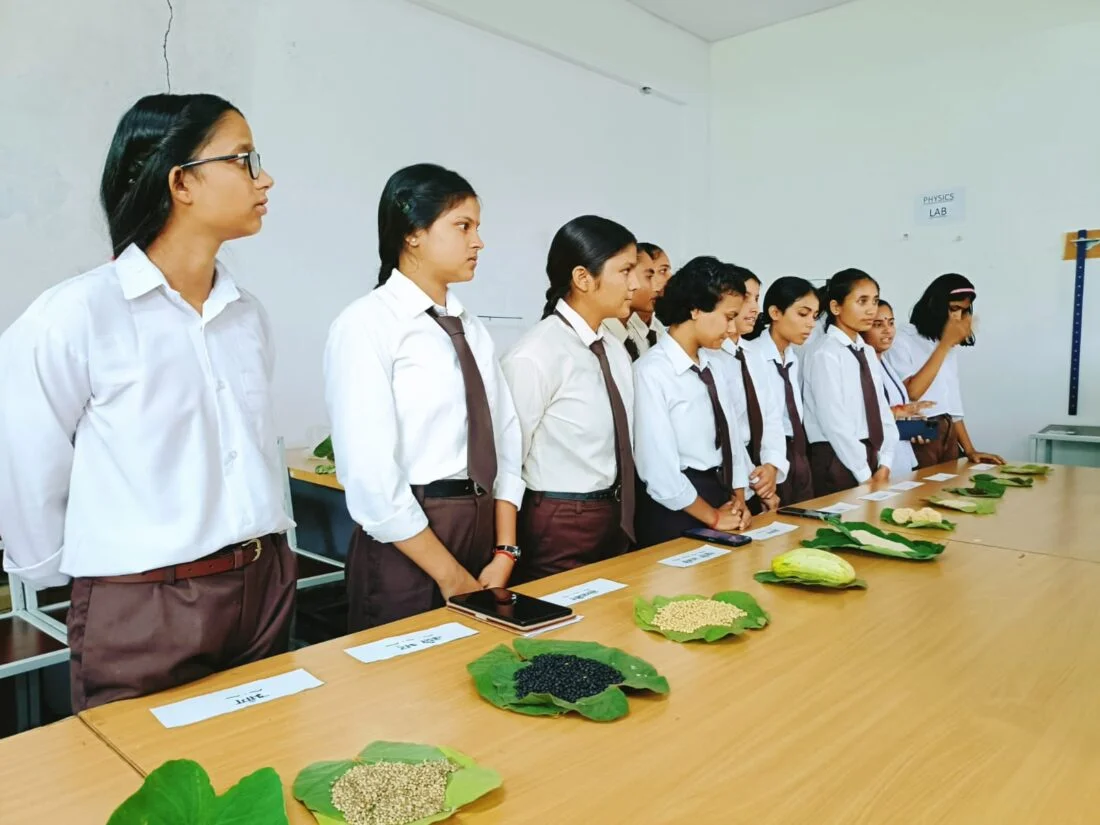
230	558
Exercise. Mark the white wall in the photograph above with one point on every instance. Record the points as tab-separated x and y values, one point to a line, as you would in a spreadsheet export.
340	93
824	130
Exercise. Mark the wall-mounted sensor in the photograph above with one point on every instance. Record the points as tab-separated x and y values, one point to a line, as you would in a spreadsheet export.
646	90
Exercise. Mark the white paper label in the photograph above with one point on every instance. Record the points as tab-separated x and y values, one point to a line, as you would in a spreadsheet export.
582	592
940	477
693	557
776	528
839	508
189	711
906	486
881	495
394	646
981	468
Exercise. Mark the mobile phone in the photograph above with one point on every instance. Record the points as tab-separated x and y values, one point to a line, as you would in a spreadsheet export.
802	512
717	536
910	428
505	608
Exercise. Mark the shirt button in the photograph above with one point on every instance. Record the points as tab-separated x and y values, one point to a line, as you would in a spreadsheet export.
231	456
221	386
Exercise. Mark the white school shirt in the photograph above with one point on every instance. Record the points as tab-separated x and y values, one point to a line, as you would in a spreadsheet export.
910	352
397	403
773	444
905	460
135	433
563	406
636	330
833	399
765	349
674	426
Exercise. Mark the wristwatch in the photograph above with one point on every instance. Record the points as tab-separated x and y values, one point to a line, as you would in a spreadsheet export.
508	550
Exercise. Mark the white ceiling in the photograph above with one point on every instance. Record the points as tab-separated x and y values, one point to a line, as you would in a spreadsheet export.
718	19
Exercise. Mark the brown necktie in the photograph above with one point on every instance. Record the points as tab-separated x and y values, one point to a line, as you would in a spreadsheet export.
481	452
870	400
632	349
721	426
651	338
798	431
756	418
624	457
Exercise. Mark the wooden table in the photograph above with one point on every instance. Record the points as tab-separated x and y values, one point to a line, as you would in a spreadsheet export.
961	690
61	773
1055	517
302	466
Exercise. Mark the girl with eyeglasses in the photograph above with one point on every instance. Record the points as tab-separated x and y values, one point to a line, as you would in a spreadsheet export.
925	354
137	441
424	431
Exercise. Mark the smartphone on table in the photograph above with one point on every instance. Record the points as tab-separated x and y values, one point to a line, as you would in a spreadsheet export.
509	610
717	536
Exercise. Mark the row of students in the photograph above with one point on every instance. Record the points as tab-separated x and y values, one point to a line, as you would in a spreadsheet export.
137	445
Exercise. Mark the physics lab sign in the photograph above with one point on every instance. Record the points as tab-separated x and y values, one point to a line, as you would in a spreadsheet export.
941	206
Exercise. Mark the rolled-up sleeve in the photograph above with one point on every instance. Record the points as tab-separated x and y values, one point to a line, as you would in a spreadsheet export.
509	484
839	429
655	451
45	385
365	439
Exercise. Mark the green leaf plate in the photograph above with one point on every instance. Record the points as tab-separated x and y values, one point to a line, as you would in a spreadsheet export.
494	676
1005	481
980	489
768	577
179	793
313	786
757	618
842	536
975	507
1025	469
887	515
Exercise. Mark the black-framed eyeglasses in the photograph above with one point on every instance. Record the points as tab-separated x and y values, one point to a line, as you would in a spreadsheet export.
252	157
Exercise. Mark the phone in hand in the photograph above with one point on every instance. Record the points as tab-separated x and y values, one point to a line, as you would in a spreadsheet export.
717	536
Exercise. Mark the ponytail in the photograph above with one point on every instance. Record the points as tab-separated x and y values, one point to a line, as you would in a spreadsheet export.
413	199
588	241
838	288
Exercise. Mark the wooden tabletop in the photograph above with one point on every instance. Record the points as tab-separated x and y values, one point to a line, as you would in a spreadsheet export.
1056	517
302	465
61	773
961	690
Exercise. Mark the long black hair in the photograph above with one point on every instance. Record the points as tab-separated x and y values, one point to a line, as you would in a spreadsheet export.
699	284
930	313
413	199
838	288
782	295
587	241
157	133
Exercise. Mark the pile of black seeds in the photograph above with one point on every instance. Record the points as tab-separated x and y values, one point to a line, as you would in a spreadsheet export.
567	677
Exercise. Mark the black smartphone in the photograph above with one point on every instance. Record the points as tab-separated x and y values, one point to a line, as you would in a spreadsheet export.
910	428
717	536
512	611
802	512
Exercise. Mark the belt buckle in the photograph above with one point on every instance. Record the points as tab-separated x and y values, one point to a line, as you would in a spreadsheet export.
256	546
617	492
478	489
